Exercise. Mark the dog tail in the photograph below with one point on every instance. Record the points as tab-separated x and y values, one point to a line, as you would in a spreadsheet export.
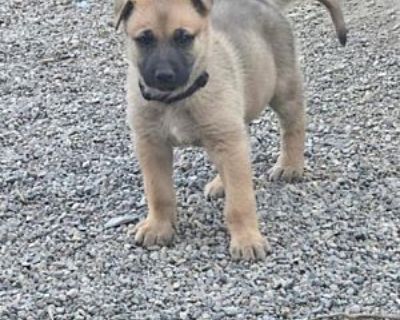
336	13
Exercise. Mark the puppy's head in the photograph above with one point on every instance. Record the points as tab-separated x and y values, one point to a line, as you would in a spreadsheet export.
167	39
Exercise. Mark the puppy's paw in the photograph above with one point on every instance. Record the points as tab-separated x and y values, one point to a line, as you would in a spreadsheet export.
215	188
249	246
151	232
286	173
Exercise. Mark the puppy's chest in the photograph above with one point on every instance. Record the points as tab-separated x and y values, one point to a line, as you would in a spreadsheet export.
179	128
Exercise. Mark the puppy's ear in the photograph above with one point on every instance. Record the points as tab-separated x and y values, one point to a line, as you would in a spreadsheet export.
122	10
203	7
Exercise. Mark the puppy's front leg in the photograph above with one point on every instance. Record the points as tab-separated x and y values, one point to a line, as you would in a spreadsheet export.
155	158
231	156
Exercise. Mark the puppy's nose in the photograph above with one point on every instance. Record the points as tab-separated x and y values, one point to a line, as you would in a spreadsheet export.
165	76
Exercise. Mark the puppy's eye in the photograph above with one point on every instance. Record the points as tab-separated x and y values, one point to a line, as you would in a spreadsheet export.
146	39
183	38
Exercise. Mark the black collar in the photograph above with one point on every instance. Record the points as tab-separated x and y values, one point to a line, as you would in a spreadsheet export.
169	98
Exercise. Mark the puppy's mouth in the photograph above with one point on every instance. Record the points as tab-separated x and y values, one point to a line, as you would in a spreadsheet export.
174	95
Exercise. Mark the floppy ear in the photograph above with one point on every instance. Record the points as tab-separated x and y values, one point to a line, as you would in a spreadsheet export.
122	10
203	7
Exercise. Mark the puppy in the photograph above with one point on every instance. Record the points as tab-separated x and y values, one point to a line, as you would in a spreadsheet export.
199	72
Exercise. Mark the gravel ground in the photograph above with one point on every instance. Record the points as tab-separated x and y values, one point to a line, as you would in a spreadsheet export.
67	168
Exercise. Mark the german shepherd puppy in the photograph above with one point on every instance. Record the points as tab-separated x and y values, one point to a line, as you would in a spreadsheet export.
199	72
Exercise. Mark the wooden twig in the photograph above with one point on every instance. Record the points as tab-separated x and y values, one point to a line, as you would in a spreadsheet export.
21	197
56	59
359	316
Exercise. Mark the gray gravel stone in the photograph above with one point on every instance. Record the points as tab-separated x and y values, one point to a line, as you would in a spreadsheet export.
118	221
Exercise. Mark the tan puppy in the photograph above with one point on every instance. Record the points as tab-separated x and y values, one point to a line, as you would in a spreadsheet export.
199	72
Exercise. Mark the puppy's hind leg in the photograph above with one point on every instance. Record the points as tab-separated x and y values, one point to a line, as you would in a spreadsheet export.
288	104
215	188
